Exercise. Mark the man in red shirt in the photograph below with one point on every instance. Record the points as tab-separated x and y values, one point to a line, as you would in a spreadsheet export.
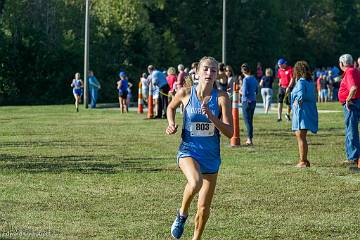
181	76
349	97
285	75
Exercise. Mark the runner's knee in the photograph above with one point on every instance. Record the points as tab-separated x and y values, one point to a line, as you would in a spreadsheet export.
195	184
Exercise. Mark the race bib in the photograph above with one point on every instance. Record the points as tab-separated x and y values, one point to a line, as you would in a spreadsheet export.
202	129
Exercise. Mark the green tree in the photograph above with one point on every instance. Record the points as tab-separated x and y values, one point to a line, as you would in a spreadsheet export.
42	41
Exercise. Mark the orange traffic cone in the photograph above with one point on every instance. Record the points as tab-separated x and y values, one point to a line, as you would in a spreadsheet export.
150	113
140	99
235	140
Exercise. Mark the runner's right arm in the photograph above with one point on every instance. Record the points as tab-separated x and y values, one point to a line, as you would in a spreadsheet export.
180	97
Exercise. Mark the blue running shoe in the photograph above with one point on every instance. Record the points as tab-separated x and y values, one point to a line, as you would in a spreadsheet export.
177	227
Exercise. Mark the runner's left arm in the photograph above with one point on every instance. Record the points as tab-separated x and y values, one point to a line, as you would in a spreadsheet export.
225	124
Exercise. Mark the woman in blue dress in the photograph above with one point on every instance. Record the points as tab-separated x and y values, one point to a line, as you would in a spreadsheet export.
305	115
77	85
207	112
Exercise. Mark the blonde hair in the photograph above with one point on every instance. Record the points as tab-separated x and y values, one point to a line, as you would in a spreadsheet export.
268	72
171	71
188	81
194	65
203	59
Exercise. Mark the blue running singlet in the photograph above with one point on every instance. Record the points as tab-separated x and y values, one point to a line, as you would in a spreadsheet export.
200	137
124	86
76	84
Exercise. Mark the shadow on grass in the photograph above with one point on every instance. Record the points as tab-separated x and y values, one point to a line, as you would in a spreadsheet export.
316	143
79	164
332	129
45	144
31	159
327	135
275	132
12	119
354	169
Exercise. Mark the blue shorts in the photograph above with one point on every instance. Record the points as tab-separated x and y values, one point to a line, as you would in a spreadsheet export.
77	92
323	93
123	94
207	165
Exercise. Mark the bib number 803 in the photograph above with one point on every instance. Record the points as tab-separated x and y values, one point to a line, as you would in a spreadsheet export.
202	129
202	126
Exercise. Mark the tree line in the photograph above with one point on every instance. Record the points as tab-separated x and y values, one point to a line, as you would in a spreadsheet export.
42	41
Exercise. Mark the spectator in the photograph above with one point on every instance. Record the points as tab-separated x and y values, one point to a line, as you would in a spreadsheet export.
356	65
144	86
335	70
181	76
349	97
129	96
336	86
158	79
330	80
94	86
222	80
122	86
323	88
231	79
305	115
156	94
266	85
240	79
192	73
248	98
171	79
285	75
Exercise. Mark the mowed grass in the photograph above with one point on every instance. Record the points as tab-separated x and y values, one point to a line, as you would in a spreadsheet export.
100	174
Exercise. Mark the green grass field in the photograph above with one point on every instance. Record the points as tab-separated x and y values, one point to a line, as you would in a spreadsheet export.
100	174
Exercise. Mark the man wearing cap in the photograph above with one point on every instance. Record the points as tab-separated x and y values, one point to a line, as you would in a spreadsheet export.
159	79
349	97
285	75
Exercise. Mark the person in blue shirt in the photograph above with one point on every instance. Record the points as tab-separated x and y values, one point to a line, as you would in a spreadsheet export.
77	85
207	112
158	79
248	92
305	115
335	71
94	86
122	86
